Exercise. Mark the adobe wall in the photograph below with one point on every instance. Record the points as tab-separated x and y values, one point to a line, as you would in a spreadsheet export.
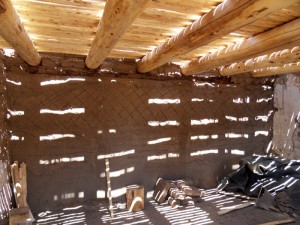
286	140
63	126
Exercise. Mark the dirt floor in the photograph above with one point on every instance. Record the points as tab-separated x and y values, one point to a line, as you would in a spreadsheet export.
203	212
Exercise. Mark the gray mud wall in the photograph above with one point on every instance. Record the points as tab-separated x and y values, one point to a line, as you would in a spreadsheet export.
286	137
64	126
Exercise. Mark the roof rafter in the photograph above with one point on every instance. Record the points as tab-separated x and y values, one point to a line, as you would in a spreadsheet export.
270	71
280	58
116	19
14	33
267	42
225	18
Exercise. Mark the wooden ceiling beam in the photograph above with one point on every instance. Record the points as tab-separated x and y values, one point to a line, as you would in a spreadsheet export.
227	17
265	43
116	19
14	33
280	58
270	71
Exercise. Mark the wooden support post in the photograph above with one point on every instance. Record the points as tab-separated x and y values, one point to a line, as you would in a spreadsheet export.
14	33
109	188
117	17
227	17
265	43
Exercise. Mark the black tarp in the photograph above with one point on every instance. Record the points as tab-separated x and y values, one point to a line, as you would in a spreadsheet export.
275	180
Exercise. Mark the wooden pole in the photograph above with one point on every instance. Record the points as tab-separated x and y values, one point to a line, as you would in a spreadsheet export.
280	58
270	71
227	17
109	188
14	33
265	43
117	17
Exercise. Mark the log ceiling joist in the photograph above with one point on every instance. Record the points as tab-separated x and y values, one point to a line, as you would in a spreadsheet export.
224	19
270	71
265	43
13	32
116	19
280	58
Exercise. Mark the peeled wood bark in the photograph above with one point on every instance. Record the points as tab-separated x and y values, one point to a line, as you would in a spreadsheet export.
227	17
294	67
275	59
270	41
14	33
116	19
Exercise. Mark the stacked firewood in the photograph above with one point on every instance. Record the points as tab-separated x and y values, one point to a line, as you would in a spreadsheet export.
178	192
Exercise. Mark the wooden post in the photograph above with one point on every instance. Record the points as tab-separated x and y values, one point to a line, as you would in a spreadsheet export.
109	188
135	198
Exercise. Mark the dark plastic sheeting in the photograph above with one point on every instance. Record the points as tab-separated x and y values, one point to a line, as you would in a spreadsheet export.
275	180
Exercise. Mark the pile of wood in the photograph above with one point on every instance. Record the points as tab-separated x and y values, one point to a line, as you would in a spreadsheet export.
21	214
179	192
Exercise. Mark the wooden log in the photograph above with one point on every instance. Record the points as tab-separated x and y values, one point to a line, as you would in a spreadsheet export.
176	193
2	7
233	208
229	16
277	222
267	42
279	58
107	173
135	198
188	201
192	191
289	68
117	17
180	183
175	203
14	33
161	190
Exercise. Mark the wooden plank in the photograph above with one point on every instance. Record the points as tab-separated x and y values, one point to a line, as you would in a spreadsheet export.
275	59
233	208
112	27
227	17
270	71
13	31
270	41
107	173
277	222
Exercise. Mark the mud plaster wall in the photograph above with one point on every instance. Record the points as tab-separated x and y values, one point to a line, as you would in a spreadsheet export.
64	127
286	139
5	192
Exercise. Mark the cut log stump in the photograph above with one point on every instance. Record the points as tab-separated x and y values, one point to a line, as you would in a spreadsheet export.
135	198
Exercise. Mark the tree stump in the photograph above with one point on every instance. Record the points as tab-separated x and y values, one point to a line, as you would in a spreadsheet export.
135	198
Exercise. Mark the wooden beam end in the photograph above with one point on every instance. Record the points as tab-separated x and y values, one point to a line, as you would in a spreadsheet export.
2	7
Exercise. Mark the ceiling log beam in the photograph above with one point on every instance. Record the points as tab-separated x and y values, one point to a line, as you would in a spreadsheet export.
224	19
270	71
268	42
14	33
116	19
280	58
